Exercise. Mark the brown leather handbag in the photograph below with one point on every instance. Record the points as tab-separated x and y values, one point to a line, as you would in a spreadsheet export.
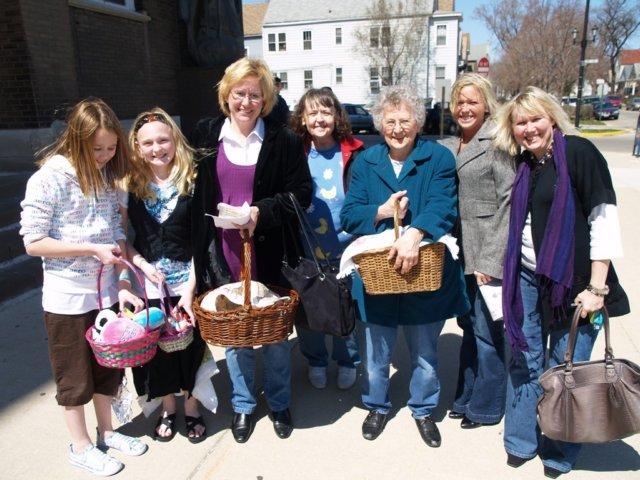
596	401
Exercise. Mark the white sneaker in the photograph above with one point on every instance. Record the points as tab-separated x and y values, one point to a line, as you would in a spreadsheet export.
95	461
123	443
318	376
346	377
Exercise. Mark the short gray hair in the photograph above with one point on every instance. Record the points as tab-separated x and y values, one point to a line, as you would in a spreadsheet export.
396	95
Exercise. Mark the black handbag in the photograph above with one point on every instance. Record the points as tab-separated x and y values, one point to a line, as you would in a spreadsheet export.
326	300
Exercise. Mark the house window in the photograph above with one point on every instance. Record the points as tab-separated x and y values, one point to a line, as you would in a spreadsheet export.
374	79
308	79
439	73
441	36
338	75
338	36
272	42
128	4
380	36
282	42
283	80
386	36
306	40
386	77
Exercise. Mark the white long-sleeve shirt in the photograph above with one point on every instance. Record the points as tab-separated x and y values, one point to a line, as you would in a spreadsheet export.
54	206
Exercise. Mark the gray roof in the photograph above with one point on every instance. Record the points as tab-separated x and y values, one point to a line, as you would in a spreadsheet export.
285	11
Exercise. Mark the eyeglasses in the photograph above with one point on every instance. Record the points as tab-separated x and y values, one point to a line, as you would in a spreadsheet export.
390	125
240	95
152	117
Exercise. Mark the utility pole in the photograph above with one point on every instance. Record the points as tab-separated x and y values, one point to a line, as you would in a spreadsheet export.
583	49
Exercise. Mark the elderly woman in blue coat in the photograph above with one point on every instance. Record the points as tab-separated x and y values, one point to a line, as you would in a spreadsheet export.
421	176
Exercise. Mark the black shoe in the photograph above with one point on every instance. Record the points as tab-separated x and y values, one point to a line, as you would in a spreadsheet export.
456	415
468	424
551	472
373	425
429	432
282	423
242	426
515	461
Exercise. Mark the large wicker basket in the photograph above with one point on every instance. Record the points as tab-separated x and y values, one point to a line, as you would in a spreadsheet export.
379	276
132	353
248	326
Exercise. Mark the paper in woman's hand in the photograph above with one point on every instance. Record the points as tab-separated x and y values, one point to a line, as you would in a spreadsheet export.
492	294
230	217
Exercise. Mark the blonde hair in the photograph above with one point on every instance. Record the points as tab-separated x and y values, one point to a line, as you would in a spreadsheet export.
396	95
482	85
182	166
532	101
238	71
76	144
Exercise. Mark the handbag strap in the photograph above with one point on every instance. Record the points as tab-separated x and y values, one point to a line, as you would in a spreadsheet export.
573	334
306	228
140	279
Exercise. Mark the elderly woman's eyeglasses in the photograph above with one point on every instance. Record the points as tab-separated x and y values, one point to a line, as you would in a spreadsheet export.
152	117
390	125
240	95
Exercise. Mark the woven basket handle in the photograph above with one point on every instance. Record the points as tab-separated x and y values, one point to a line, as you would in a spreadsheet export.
397	221
245	273
140	279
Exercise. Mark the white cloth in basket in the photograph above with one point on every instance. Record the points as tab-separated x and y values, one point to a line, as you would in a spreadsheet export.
231	296
385	240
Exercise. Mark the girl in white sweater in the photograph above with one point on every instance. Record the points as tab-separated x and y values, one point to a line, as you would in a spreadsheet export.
70	218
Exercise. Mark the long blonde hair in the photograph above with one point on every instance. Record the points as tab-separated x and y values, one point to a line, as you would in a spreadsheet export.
182	166
76	144
532	101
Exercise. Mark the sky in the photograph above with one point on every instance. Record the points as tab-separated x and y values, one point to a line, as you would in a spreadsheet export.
480	34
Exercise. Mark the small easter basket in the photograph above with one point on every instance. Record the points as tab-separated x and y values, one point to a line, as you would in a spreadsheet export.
172	340
132	353
248	326
379	276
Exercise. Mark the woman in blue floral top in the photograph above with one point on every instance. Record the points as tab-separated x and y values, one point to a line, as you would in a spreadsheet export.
159	207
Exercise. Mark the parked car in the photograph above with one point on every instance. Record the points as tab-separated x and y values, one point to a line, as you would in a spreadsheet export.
571	101
615	100
605	111
432	122
359	118
633	103
590	99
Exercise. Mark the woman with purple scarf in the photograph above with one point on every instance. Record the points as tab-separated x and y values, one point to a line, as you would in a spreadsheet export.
563	233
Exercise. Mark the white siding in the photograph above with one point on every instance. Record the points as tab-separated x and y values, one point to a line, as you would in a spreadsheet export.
325	56
253	47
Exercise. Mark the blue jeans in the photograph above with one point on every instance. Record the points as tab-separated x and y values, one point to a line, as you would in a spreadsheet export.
482	376
424	387
314	348
241	363
522	436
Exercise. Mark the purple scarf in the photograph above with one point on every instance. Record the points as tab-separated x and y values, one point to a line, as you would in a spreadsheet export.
554	261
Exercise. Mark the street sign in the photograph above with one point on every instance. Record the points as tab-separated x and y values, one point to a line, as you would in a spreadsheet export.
483	66
590	60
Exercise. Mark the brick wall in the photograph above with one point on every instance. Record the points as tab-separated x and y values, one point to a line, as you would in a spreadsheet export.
51	51
445	5
17	108
52	55
131	65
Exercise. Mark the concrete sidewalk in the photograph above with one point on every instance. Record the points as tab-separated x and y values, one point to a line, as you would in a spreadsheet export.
326	443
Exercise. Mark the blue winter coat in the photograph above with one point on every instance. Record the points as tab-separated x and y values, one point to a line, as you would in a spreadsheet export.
429	176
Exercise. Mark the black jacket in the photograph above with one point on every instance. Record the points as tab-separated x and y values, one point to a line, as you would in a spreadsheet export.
281	168
591	185
171	238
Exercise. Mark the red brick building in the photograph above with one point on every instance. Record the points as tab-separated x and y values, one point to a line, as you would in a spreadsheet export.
55	52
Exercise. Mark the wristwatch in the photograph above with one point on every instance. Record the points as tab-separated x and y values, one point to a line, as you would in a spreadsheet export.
600	292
